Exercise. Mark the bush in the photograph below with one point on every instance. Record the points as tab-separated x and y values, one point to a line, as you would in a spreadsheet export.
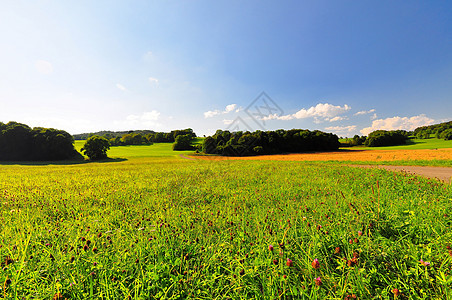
96	147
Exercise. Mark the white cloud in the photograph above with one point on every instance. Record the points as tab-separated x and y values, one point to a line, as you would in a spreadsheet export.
365	112
374	116
320	112
396	123
338	118
146	120
229	108
153	81
341	129
121	87
227	122
44	67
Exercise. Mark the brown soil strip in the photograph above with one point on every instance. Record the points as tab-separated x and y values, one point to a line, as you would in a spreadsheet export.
441	173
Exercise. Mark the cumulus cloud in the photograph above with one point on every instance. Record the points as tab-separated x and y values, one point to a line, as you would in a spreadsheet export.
364	112
341	129
227	122
320	112
145	120
121	87
396	123
44	67
229	108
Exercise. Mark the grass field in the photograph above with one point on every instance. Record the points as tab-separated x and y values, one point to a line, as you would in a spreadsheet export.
162	227
155	150
413	144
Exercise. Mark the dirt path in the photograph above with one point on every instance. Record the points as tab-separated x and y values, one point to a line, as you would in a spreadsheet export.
441	173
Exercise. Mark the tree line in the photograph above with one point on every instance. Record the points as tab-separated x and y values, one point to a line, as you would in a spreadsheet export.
269	142
19	142
381	138
440	131
139	137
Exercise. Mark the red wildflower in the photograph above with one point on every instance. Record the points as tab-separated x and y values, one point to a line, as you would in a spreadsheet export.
315	264
289	262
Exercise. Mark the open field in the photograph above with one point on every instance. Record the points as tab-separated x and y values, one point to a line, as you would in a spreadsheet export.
422	156
155	150
414	144
165	227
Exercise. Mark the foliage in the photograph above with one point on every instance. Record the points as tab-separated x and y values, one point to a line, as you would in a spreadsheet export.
154	228
20	142
446	134
355	141
96	147
269	142
380	138
436	129
183	142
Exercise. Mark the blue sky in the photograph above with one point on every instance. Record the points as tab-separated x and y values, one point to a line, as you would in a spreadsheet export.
347	67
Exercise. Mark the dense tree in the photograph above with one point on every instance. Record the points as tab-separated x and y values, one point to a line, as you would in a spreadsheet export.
446	134
380	138
269	142
20	142
96	147
436	129
183	142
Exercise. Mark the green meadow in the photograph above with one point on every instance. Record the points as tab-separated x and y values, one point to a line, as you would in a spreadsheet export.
153	225
412	144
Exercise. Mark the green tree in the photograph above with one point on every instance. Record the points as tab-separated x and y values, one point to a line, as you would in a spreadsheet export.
183	142
96	147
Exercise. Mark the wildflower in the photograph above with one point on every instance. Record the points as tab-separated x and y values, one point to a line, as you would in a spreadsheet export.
85	247
275	261
425	263
352	262
284	276
270	247
360	233
57	296
289	262
318	281
337	250
396	292
315	264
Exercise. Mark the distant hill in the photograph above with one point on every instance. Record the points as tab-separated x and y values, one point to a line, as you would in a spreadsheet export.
109	134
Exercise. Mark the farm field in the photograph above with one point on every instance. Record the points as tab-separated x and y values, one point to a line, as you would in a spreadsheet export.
415	144
439	157
163	227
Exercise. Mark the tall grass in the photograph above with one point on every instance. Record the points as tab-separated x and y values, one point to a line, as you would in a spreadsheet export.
170	228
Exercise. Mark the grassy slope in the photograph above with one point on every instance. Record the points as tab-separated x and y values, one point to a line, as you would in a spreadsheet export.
155	150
